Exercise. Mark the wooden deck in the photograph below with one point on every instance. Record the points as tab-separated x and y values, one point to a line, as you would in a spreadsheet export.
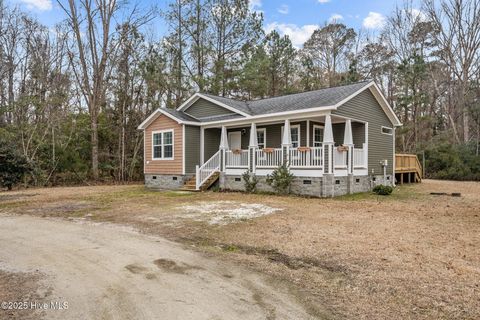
408	168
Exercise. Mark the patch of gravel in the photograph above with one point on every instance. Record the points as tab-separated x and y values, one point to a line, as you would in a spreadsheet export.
225	212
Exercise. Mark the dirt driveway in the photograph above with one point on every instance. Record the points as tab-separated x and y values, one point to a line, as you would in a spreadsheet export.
105	271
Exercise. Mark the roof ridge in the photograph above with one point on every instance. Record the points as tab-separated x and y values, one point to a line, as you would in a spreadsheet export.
285	95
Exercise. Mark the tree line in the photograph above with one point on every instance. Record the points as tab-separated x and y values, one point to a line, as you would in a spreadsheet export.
72	95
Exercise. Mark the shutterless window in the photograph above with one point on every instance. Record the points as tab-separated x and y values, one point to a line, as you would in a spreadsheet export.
163	145
387	130
294	135
261	137
317	136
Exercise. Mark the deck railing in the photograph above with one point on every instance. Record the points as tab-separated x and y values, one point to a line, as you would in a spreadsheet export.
268	158
236	159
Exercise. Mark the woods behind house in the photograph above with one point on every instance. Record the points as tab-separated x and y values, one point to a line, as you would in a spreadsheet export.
72	95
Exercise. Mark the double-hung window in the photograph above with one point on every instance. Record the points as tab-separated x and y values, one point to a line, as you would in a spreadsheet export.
162	145
261	138
317	136
294	135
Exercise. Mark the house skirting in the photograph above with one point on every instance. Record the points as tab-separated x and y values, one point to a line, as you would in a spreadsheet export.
165	181
325	186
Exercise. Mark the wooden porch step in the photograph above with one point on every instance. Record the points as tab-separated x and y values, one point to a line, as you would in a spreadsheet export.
191	184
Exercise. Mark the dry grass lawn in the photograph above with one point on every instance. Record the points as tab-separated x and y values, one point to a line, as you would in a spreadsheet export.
411	255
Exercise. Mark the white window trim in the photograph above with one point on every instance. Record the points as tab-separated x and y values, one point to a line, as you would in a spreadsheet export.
388	134
299	133
173	144
264	130
316	126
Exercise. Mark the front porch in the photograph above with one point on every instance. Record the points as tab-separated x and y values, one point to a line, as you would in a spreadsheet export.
320	146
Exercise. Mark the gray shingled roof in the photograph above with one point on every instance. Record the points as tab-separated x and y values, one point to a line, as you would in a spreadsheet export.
292	102
236	104
179	115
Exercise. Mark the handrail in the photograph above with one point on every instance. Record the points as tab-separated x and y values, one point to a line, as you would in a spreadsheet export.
207	169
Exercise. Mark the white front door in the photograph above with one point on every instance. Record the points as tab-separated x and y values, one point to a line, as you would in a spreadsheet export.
235	140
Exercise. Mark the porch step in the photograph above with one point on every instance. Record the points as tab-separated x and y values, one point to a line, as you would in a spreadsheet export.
191	184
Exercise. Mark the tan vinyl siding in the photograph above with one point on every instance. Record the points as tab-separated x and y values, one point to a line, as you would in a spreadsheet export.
164	166
204	108
192	148
364	107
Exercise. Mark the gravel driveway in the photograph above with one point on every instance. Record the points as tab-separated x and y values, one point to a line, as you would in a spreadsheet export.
106	271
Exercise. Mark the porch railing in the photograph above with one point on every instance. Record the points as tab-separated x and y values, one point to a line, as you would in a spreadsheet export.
339	158
236	159
207	169
268	158
306	157
359	158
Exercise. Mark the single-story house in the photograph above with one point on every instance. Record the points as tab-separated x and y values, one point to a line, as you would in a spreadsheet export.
336	141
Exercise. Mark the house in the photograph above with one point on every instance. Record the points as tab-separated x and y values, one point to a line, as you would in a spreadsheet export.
336	141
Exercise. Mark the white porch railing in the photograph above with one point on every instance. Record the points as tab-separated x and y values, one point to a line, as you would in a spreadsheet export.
359	158
306	157
207	169
268	158
236	159
340	158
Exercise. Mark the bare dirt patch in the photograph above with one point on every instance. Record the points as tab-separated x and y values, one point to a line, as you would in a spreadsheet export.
224	212
19	287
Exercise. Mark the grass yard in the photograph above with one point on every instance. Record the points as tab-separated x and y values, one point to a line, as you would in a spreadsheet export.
410	255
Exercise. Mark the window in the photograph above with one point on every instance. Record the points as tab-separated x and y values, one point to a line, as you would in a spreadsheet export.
162	145
261	137
317	136
295	135
387	130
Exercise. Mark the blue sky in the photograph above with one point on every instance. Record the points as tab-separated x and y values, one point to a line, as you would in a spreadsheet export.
297	18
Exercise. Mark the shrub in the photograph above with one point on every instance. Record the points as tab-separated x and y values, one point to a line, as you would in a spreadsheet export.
250	182
383	190
281	179
13	166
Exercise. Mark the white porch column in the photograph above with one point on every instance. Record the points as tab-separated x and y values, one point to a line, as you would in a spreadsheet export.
328	143
223	148
348	141
252	147
286	142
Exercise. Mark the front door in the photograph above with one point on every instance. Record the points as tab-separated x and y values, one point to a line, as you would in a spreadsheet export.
235	140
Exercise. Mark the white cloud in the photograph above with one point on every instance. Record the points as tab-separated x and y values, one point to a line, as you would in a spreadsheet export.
284	9
374	20
297	34
42	5
418	15
335	18
323	1
255	4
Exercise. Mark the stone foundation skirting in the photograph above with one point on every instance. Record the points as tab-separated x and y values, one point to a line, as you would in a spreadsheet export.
165	181
326	186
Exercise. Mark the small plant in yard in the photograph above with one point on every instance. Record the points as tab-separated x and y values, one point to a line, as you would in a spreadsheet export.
250	181
281	179
383	190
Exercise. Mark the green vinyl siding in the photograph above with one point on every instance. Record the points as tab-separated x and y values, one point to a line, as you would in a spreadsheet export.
192	148
273	134
211	141
203	108
364	107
